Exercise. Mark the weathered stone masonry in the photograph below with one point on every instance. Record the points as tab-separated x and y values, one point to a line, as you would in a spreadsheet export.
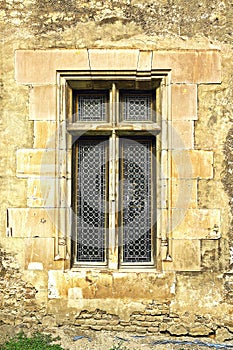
190	292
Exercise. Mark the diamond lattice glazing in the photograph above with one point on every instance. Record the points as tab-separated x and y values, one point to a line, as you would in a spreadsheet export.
136	198
137	108
92	108
91	201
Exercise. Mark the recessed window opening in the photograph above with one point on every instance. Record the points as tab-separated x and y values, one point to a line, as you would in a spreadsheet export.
114	175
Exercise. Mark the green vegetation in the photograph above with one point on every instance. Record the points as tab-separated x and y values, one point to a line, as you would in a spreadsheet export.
41	341
118	346
36	342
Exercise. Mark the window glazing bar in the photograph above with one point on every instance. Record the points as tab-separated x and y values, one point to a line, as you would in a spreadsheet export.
113	263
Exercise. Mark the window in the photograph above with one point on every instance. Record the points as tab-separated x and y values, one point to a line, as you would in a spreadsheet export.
114	128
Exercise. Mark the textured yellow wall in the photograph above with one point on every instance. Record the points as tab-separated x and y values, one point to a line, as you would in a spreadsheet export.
193	293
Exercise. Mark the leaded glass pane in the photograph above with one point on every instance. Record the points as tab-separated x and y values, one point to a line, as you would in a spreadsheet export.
136	107
92	108
91	201
136	200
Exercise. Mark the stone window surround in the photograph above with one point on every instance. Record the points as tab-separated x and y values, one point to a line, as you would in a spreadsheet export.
66	79
41	69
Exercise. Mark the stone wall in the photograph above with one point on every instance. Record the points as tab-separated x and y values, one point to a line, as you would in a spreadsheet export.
191	293
18	305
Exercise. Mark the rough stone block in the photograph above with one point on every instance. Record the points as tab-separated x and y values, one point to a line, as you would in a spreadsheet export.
111	59
223	334
35	162
39	279
186	255
96	328
75	293
182	136
15	244
163	327
184	102
45	134
196	223
42	192
130	329
200	330
25	222
205	291
210	254
184	193
144	61
63	286
142	286
213	117
162	202
211	194
92	286
208	67
40	66
105	286
177	330
165	158
192	164
42	103
39	253
189	66
49	321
